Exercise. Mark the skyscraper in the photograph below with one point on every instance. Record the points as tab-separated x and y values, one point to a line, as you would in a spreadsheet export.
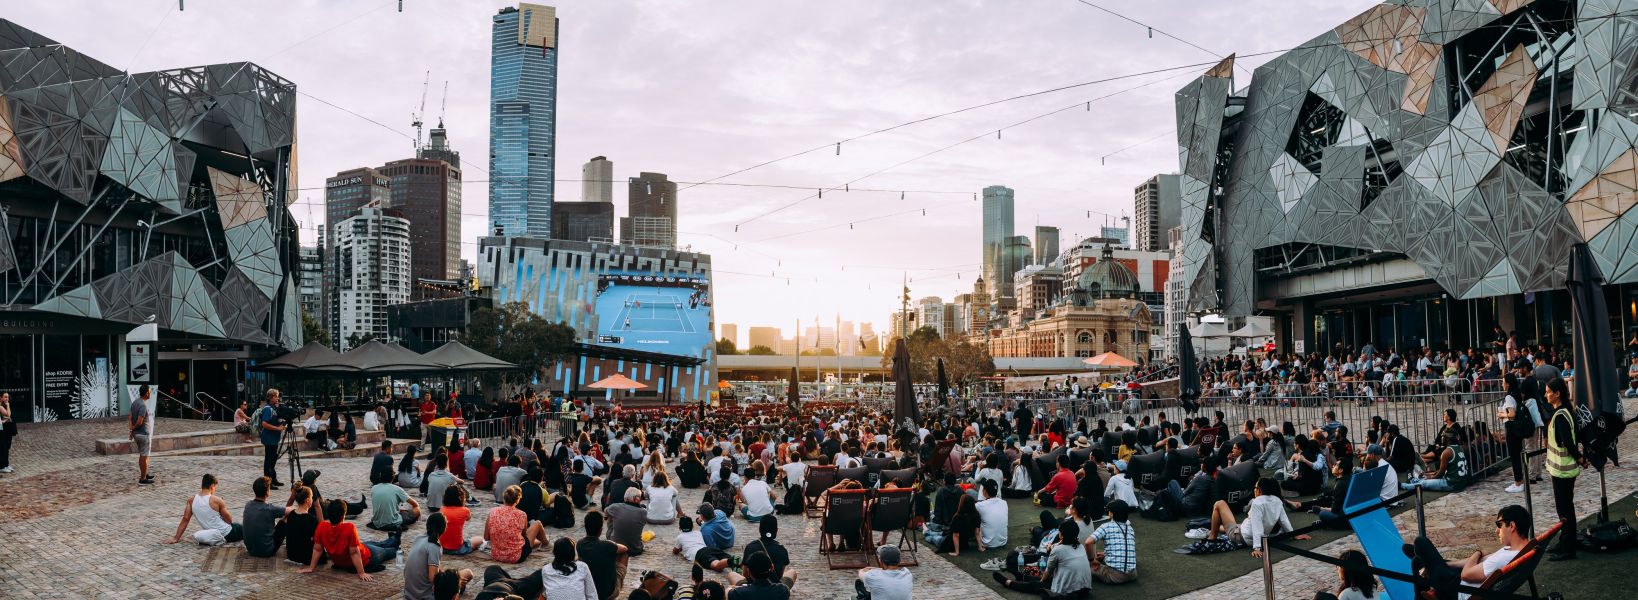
1046	244
427	191
651	211
371	259
1119	234
764	336
1015	255
730	332
998	213
345	196
1156	203
522	119
583	221
597	180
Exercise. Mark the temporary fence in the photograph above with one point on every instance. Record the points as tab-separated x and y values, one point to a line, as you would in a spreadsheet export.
547	426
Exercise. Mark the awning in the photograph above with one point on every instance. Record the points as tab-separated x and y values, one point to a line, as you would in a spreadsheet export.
1252	329
455	356
375	357
313	357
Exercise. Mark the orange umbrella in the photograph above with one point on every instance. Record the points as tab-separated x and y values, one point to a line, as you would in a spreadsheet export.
1110	359
616	382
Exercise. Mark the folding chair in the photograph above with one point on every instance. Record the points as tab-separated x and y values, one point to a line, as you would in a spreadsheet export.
844	517
819	479
875	465
892	511
902	477
858	474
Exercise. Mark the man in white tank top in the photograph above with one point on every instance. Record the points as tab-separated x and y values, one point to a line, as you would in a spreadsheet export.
216	526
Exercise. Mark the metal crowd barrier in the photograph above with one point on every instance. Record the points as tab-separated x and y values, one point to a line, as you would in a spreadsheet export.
546	426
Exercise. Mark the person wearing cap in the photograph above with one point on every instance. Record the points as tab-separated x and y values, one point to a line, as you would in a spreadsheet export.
1119	486
890	582
1118	562
1390	482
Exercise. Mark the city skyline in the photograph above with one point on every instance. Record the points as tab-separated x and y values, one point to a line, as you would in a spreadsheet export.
808	100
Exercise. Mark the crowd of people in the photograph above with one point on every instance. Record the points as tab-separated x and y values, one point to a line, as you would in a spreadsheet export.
586	499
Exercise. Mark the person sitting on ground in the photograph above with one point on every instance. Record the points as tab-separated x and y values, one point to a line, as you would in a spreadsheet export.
1375	459
992	517
626	520
1118	562
756	495
1021	485
1119	486
1195	500
611	558
615	490
1060	488
945	502
662	501
264	522
1451	474
313	427
1265	516
767	542
456	514
300	521
691	472
338	541
390	514
1068	571
890	582
760	581
381	463
439	480
1512	528
582	486
423	559
500	585
450	584
508	476
474	451
309	478
692	547
534	500
483	473
566	578
1356	580
216	526
409	475
511	536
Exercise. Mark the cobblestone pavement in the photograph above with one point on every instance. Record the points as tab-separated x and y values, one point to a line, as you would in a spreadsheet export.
84	529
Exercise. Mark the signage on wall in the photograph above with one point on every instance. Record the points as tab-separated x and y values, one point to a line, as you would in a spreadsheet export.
1297	345
140	367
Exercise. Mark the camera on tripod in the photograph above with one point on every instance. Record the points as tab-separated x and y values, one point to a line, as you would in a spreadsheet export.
289	414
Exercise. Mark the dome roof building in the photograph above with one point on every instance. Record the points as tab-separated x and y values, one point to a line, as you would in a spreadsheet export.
1105	279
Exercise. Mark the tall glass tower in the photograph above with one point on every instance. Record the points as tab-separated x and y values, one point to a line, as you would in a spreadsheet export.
522	119
997	231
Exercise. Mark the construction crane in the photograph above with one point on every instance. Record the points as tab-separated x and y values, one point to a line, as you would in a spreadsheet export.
443	104
415	118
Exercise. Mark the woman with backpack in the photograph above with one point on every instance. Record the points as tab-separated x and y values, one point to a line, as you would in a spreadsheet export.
1518	425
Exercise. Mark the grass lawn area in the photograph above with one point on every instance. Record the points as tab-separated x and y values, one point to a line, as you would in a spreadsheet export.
1593	575
1162	573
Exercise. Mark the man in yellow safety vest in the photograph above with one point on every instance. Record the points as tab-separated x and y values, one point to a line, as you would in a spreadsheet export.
1564	462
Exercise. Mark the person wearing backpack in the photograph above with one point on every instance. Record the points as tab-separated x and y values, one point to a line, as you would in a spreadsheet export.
1518	427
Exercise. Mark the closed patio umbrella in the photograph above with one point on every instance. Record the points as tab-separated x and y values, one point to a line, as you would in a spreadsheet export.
943	384
904	395
1188	371
1595	366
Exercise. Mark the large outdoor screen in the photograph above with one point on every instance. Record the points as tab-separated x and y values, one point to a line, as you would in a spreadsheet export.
654	313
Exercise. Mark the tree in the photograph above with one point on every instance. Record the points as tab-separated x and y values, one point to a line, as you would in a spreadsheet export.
725	347
964	362
514	334
761	351
819	352
313	331
359	338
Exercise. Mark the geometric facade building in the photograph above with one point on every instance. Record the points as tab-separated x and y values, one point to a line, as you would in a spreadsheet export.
1440	154
139	198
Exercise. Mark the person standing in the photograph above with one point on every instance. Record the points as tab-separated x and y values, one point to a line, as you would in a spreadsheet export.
272	429
142	429
1564	462
429	413
8	430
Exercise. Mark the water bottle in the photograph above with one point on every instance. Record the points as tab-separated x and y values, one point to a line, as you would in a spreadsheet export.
1042	564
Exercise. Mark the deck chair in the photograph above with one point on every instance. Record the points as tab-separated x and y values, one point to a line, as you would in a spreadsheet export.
1512	575
875	465
1186	465
1147	471
903	477
819	479
1079	457
1234	485
1045	466
892	511
855	473
844	517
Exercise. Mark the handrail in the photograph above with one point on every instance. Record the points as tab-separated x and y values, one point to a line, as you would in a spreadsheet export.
205	415
213	399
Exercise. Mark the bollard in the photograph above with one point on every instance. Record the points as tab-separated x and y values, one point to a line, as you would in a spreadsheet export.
1268	570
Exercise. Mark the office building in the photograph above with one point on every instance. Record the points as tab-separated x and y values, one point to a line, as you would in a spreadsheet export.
583	222
1119	234
1046	245
997	230
214	143
763	336
523	119
1015	255
347	194
651	212
1156	204
730	332
372	262
437	148
1425	180
1176	299
929	313
597	180
1037	286
427	191
310	281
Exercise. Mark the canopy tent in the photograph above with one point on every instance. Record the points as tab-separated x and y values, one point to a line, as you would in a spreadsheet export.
1209	330
378	358
312	358
455	356
1252	329
616	382
1110	360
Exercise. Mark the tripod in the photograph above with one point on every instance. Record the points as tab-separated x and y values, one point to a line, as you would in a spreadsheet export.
287	447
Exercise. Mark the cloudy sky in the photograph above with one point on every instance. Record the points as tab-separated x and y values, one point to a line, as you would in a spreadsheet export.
699	89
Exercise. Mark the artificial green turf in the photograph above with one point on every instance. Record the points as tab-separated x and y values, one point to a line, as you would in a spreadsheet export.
1593	575
1162	573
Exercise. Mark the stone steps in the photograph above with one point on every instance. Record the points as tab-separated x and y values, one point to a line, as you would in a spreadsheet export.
226	439
255	449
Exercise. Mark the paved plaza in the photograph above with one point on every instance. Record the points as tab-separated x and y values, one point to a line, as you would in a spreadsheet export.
76	524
